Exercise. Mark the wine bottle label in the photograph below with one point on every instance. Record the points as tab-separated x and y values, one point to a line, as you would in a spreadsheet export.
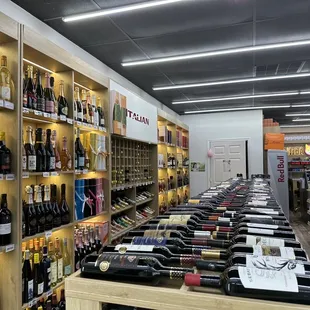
80	115
224	219
64	111
266	211
81	161
52	163
176	219
149	241
257	203
260	231
123	248
67	270
194	201
253	240
255	278
105	261
202	234
60	268
40	288
261	225
258	216
32	162
69	164
24	162
30	290
274	263
5	229
49	106
157	233
58	165
284	252
5	93
41	104
53	272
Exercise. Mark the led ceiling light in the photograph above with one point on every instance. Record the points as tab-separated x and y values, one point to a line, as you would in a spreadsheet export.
297	114
300	105
238	109
301	120
217	53
268	95
289	126
236	81
38	66
80	85
122	9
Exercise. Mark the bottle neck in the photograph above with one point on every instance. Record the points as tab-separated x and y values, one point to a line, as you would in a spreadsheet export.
2	140
47	82
39	137
39	79
62	91
30	74
48	138
4	203
77	95
3	62
29	198
38	196
64	144
47	196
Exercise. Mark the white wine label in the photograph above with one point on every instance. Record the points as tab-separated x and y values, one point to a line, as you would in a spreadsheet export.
32	163
258	216
5	93
224	219
53	272
179	218
60	268
231	212
24	163
5	229
273	251
52	163
40	288
253	240
268	279
261	231
123	248
81	161
30	289
266	211
202	234
274	263
261	225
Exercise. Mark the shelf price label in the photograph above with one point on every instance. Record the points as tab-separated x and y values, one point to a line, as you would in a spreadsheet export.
47	115
46	174
10	177
26	111
54	116
70	121
9	105
38	113
63	118
25	175
85	171
9	248
48	234
54	174
102	129
79	123
1	177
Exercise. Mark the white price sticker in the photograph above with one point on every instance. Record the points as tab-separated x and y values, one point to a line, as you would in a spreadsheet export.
1	177
10	177
79	123
54	174
46	174
9	105
38	113
102	129
25	175
70	121
63	118
54	116
47	115
9	248
48	234
85	171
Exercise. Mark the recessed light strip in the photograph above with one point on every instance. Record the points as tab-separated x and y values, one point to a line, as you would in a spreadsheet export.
301	120
300	105
297	114
237	109
122	9
290	126
217	53
36	65
226	82
82	86
268	95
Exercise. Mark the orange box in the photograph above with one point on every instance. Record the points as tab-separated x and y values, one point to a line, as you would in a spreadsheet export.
274	141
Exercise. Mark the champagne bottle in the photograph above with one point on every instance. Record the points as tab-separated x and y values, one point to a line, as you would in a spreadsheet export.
48	210
55	147
5	222
29	100
66	259
79	107
95	111
30	213
30	151
100	112
90	114
84	106
53	260
64	208
55	207
5	80
39	208
45	266
24	155
79	152
54	302
40	93
59	260
48	94
5	155
63	107
52	83
40	151
28	279
50	153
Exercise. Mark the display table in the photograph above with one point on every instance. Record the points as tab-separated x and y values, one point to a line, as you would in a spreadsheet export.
89	294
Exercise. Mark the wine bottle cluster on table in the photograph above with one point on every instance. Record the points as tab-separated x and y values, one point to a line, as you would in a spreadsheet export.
51	303
237	230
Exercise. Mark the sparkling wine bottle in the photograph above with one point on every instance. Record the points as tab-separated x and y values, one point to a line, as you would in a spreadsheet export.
48	94
40	98
30	213
50	153
40	151
63	107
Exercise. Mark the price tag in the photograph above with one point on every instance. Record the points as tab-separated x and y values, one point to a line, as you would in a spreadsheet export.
85	171
10	177
77	171
38	113
54	116
25	175
1	177
25	110
48	234
47	115
70	121
54	174
46	174
9	248
49	293
96	127
33	302
63	118
79	123
9	105
1	103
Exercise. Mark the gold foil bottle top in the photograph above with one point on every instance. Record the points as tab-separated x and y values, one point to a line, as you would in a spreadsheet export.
4	61
28	189
29	129
2	136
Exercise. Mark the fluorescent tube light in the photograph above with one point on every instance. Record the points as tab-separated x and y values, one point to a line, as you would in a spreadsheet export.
236	81
34	64
289	126
297	114
300	105
80	85
268	95
122	9
238	109
301	120
217	53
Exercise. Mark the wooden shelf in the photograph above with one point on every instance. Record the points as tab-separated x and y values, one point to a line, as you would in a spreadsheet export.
26	175
122	210
121	233
144	201
35	116
89	218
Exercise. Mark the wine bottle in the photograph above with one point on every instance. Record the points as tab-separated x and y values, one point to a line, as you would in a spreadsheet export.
77	260
24	155
79	152
63	107
97	238
55	207
64	208
40	212
65	156
95	111
30	151
50	153
5	155
79	107
29	100
54	302
55	147
90	114
62	302
5	80
5	222
39	93
30	213
45	266
48	210
52	83
49	98
40	151
84	106
28	279
66	259
37	275
53	260
59	260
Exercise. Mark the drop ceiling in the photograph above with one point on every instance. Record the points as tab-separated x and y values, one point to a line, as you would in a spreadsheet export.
190	27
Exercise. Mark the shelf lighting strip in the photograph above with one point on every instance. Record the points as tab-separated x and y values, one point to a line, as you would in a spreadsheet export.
80	85
36	65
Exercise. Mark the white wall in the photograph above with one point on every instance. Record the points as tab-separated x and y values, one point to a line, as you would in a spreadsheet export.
228	125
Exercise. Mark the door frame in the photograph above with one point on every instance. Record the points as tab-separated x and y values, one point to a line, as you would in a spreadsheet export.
247	154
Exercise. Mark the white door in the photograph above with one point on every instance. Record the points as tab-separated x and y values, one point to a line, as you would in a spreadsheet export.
229	158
